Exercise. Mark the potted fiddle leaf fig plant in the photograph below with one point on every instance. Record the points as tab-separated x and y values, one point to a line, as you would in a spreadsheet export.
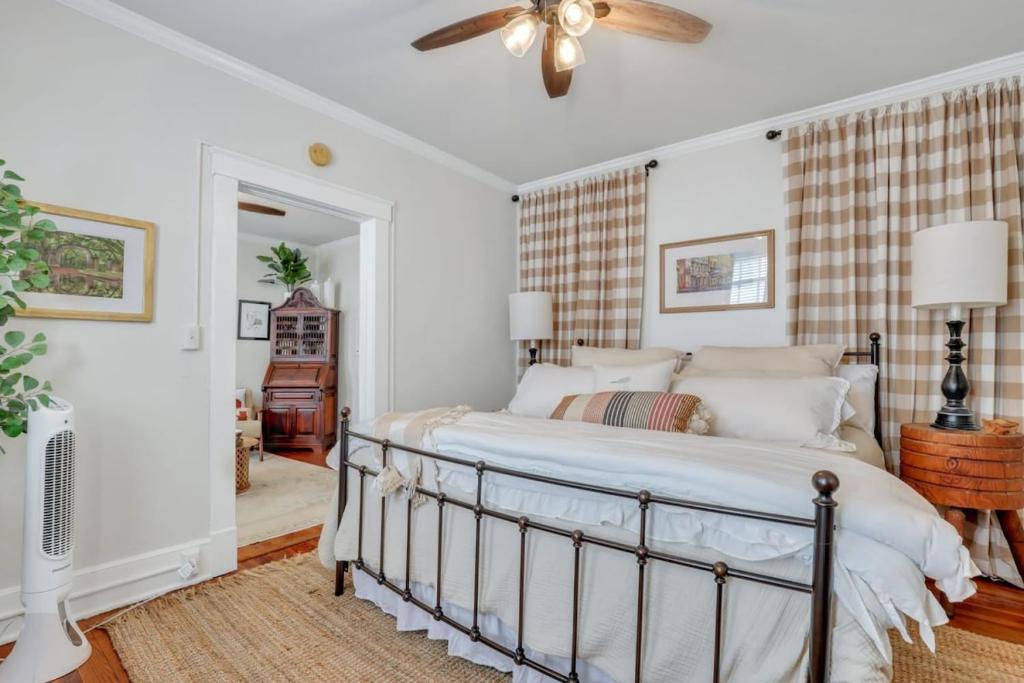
21	269
288	266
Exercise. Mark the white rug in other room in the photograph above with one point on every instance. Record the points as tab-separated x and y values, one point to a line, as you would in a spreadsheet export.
285	496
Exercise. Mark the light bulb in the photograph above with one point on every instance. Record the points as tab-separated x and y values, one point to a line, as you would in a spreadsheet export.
568	53
576	16
519	34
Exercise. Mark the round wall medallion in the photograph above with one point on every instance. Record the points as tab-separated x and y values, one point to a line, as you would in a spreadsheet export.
320	154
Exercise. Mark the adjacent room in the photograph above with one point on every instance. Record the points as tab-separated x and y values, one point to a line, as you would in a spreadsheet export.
295	361
603	341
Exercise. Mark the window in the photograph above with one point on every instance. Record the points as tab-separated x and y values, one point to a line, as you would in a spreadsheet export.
749	279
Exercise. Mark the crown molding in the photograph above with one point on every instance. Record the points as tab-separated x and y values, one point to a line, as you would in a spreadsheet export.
1002	67
115	15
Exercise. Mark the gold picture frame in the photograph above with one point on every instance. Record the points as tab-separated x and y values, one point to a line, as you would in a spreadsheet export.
707	279
145	252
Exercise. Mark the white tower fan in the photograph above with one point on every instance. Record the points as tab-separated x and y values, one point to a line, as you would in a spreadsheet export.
50	644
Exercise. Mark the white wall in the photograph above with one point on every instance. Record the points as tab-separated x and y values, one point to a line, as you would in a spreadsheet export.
253	356
339	260
108	122
727	189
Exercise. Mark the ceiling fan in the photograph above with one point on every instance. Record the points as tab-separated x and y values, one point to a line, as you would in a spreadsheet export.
565	21
253	207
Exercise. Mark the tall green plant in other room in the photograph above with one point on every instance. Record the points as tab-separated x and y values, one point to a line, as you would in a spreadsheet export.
20	269
288	266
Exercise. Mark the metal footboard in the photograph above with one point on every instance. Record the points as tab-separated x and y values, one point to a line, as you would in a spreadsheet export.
819	590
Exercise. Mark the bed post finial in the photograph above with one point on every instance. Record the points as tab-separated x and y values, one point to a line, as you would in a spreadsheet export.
825	483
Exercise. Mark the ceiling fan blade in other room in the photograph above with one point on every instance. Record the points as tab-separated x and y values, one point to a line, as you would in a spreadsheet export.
555	82
260	208
651	20
468	28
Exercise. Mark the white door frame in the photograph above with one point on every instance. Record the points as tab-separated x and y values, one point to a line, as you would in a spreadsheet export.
224	173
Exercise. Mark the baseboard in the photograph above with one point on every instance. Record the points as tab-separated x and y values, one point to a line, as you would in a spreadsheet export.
111	585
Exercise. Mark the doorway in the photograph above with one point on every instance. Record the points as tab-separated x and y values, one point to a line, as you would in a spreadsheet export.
225	175
286	408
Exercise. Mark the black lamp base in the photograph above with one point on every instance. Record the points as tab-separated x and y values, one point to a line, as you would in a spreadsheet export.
959	419
533	355
955	387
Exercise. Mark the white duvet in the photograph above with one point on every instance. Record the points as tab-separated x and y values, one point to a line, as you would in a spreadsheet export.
889	539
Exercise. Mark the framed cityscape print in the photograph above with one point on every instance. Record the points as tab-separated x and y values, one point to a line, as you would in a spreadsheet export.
101	267
733	272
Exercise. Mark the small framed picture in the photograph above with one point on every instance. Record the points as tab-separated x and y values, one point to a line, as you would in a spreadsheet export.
733	272
253	320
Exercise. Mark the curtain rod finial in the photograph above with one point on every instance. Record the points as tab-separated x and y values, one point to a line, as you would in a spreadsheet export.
773	134
653	163
515	198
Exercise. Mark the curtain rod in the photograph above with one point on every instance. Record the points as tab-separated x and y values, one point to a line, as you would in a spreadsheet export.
653	163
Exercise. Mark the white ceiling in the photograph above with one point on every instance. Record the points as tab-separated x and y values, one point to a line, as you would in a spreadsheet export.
302	226
474	100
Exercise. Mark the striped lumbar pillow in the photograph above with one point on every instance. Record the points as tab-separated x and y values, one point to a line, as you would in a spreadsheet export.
637	410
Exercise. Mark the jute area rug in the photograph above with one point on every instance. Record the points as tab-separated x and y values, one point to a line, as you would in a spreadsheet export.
281	622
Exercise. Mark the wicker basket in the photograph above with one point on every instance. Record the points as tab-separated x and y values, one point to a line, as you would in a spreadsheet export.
242	446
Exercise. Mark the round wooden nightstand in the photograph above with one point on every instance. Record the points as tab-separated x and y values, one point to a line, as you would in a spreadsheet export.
974	470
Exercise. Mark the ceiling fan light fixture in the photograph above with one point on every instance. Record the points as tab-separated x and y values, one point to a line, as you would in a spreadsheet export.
576	16
568	53
518	35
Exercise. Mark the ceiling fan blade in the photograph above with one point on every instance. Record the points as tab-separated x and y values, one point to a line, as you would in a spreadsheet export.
468	28
651	20
555	82
260	208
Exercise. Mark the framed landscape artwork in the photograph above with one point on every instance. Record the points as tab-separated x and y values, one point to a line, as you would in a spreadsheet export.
101	267
719	273
253	320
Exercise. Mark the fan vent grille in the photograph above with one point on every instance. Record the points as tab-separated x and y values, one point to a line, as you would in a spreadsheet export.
59	494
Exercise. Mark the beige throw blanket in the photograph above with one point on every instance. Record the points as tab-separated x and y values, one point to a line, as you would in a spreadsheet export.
393	477
404	471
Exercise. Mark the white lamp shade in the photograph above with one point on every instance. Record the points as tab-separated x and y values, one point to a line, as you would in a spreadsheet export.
529	315
959	264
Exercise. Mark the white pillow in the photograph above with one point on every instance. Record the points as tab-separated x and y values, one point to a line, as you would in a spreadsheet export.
651	377
543	387
862	378
809	359
801	410
590	355
849	411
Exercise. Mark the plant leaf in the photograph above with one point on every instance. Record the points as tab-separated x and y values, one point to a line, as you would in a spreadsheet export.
14	337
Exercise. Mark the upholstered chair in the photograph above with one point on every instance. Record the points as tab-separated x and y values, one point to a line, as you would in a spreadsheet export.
252	426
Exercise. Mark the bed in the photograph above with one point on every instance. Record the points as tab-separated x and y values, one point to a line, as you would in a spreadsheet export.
574	551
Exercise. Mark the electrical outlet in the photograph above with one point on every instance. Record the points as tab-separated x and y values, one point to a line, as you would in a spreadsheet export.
190	342
189	564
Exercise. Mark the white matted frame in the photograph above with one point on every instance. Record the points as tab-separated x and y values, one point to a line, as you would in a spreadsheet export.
224	174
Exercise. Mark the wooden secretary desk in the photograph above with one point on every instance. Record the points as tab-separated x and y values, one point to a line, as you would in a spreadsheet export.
300	387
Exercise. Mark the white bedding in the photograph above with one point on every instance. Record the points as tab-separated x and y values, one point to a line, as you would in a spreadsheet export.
888	539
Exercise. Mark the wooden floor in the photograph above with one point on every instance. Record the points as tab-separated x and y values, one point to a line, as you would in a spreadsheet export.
996	611
312	457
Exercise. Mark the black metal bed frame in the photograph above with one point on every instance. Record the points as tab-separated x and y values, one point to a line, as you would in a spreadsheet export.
825	483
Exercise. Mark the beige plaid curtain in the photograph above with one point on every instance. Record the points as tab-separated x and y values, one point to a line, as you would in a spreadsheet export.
584	243
857	187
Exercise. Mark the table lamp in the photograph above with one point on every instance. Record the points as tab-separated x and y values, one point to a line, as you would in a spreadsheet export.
958	266
530	318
